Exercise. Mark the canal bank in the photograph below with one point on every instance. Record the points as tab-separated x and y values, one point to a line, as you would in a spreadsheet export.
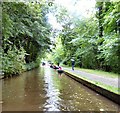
77	75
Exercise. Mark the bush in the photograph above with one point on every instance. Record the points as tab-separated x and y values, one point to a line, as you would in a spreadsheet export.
13	61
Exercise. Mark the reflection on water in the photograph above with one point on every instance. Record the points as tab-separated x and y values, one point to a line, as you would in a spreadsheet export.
52	103
43	89
1	96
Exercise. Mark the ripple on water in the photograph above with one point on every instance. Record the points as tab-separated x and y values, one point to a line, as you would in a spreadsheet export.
54	94
1	102
101	109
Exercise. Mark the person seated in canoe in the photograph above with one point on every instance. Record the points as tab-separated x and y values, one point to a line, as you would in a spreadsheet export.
43	63
60	70
51	65
55	67
58	64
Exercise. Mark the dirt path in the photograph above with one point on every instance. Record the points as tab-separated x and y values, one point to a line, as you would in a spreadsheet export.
97	78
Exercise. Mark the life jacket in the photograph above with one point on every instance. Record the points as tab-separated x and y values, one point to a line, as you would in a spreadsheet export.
60	68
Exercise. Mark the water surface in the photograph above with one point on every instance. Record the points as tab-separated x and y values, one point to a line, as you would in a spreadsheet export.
43	89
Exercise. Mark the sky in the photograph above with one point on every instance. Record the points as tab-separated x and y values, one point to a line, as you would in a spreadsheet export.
80	7
83	8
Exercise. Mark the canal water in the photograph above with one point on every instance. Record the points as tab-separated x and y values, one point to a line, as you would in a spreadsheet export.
43	89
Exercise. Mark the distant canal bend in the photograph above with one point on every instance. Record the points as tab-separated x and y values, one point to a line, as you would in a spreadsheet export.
42	89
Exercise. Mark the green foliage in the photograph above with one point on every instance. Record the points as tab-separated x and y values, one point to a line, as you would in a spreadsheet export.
93	42
58	53
110	52
13	61
25	34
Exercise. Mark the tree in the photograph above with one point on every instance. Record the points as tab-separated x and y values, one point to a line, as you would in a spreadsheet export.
93	42
25	34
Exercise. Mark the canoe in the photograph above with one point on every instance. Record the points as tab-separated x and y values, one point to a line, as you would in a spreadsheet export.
60	71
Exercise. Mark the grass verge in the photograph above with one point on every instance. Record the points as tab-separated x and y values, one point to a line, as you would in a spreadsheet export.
100	72
102	85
